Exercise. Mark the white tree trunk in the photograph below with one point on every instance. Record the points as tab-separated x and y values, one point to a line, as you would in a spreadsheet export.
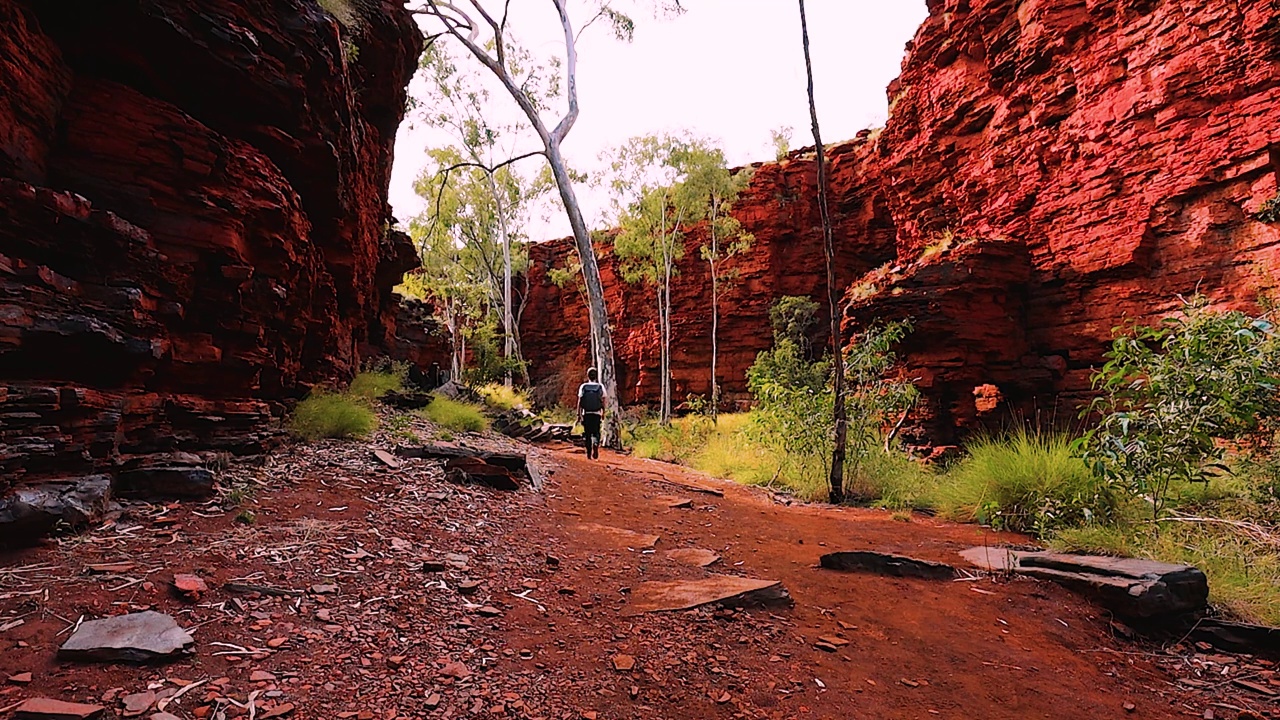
715	313
508	318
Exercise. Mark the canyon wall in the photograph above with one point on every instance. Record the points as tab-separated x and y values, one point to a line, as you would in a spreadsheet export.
193	220
1051	169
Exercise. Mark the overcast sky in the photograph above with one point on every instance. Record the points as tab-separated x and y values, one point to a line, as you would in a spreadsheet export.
731	70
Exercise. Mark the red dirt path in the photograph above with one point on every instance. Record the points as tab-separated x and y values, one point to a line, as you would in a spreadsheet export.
399	642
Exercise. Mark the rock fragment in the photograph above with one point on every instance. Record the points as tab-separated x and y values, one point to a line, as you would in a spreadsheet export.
136	638
46	709
722	590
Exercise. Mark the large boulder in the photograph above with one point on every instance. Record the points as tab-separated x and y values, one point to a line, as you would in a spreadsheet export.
67	504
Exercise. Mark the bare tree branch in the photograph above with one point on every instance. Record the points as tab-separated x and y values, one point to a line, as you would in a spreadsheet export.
571	67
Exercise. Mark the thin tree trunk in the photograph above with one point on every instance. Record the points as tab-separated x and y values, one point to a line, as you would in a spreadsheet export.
715	314
836	477
508	324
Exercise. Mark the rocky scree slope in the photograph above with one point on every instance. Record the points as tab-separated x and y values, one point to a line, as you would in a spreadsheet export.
1050	171
193	225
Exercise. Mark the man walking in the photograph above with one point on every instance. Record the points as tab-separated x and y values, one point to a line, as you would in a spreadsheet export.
591	412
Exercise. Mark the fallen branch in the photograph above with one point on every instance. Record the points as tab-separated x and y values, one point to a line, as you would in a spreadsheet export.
183	691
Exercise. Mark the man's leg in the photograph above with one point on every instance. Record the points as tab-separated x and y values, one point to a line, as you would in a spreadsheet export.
591	428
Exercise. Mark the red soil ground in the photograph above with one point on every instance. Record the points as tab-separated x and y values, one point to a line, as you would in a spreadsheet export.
396	641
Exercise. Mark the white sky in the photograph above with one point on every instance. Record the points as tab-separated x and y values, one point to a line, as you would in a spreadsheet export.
731	70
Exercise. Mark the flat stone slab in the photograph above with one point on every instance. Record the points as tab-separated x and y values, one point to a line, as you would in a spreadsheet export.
622	538
722	590
1128	587
696	557
46	709
137	638
885	564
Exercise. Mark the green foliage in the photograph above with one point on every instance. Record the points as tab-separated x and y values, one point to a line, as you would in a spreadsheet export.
246	517
781	140
330	415
501	397
1270	211
795	402
791	317
372	385
454	415
1027	482
873	400
343	11
1170	395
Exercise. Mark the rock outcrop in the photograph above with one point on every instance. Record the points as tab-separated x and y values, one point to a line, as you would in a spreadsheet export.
193	219
1049	171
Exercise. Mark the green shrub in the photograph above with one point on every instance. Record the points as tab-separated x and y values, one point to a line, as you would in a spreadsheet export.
503	398
327	415
1171	394
455	415
373	385
1026	482
1270	211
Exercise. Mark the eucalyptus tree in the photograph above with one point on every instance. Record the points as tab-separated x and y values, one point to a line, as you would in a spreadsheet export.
487	37
655	205
710	179
483	158
840	412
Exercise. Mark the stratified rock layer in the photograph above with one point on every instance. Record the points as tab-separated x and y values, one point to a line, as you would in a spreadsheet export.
193	219
1050	171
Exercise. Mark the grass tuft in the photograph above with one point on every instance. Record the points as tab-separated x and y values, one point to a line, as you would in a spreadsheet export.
1025	482
455	415
502	398
327	415
373	385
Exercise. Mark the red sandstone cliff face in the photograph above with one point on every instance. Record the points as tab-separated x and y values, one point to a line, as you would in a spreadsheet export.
193	219
1093	160
1122	146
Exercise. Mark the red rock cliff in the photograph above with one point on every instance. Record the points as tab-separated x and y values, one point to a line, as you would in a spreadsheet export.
1051	169
193	219
786	259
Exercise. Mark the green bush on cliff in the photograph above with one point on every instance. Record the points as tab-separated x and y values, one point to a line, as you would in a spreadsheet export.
1270	211
332	415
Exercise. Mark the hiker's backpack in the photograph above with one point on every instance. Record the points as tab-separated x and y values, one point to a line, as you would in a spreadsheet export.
592	397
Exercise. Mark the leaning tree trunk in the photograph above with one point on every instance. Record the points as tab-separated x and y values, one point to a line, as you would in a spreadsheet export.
603	335
840	415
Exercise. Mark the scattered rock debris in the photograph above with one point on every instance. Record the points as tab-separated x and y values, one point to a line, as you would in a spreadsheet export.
364	591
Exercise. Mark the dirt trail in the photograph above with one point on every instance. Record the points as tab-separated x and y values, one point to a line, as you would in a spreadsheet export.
917	648
413	598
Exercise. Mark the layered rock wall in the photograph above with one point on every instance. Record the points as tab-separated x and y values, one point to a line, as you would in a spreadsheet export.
193	220
1051	170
